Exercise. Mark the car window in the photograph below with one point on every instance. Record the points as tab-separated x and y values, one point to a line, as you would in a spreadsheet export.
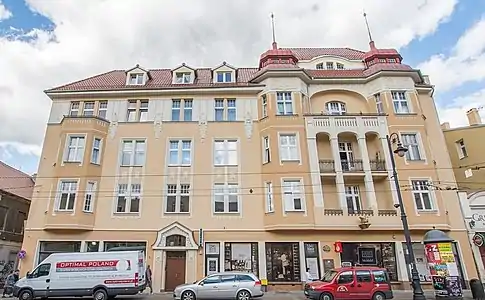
380	276
42	270
228	278
363	276
329	276
212	280
345	277
244	278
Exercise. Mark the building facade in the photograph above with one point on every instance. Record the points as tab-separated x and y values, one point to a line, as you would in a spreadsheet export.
15	194
262	169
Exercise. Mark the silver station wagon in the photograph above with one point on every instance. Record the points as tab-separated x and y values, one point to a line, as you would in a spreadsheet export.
225	285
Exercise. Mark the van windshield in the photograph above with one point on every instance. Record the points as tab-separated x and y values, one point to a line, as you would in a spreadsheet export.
329	276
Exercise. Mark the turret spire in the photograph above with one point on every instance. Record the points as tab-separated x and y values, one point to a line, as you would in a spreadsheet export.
275	46
371	41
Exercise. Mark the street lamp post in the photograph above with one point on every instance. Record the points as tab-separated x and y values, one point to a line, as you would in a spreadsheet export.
418	293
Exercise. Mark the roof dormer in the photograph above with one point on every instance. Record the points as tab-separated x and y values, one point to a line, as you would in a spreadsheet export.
224	73
183	74
137	76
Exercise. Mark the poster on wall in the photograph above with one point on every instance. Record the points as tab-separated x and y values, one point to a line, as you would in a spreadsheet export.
443	269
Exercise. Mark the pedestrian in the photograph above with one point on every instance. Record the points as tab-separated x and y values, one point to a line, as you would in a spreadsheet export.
9	283
148	276
308	277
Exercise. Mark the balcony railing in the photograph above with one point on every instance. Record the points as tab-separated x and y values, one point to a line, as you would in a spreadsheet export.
386	212
378	165
360	212
355	165
327	165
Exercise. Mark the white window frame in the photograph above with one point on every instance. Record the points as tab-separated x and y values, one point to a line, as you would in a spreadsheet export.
319	66
131	111
266	149
188	107
219	108
130	193
228	190
269	195
340	109
409	156
89	196
353	191
289	190
136	79
379	103
176	108
183	77
74	108
264	106
103	109
70	190
179	193
79	150
282	136
180	151
399	98
98	149
461	147
133	152
340	66
420	191
284	100
143	111
329	65
224	76
88	111
226	152
231	109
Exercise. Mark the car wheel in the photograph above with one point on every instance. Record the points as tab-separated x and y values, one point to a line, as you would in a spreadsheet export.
25	295
243	295
326	296
100	295
188	295
379	296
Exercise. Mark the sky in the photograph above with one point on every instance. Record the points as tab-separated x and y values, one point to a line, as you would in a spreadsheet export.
46	43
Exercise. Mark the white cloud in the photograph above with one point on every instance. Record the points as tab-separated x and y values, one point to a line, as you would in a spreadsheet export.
95	36
4	12
455	112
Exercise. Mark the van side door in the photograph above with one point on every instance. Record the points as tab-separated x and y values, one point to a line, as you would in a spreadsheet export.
39	280
364	286
345	285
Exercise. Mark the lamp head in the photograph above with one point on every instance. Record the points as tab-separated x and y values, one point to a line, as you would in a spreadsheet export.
400	150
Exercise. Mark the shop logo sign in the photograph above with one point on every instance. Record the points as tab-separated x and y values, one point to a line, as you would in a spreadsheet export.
478	239
342	289
479	218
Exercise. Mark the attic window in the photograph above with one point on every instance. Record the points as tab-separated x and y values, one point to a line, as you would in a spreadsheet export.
224	76
340	66
382	60
329	65
182	77
319	66
136	78
392	60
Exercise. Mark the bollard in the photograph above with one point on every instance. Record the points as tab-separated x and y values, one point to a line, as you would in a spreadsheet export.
476	288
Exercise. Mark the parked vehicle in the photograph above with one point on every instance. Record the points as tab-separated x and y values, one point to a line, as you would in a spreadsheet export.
359	283
225	285
102	275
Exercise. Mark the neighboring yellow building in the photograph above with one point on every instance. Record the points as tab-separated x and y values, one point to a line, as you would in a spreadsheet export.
261	169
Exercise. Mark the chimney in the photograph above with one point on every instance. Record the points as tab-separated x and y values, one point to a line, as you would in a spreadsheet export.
34	177
445	125
473	117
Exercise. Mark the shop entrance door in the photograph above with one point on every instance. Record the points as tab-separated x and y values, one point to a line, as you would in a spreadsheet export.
174	269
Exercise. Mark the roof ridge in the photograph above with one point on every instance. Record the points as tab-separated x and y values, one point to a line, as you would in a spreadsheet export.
78	81
15	169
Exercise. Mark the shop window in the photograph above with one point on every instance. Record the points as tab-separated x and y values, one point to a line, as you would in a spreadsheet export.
125	246
47	248
283	262
371	254
92	246
212	258
241	257
311	259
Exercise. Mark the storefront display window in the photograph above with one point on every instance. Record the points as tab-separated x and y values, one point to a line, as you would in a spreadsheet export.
311	259
283	262
241	257
48	248
212	258
371	254
124	246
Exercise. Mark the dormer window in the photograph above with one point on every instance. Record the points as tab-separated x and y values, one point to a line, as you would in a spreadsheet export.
136	78
224	76
382	60
329	65
392	60
182	77
336	108
319	66
340	66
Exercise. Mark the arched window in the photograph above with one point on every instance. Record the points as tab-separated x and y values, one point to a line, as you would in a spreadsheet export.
176	240
336	108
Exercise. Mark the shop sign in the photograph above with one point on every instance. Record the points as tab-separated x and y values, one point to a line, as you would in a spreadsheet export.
478	239
479	219
337	247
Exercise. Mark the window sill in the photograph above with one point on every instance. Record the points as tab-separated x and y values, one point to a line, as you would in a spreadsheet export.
131	166
96	164
286	115
295	211
181	121
427	211
126	214
71	162
267	162
226	213
415	160
290	160
176	213
410	114
462	157
225	165
270	212
179	165
88	212
63	211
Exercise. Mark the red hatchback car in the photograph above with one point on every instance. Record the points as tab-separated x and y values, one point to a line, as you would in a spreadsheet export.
359	283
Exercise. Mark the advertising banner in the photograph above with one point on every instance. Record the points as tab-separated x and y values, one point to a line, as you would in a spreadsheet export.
443	269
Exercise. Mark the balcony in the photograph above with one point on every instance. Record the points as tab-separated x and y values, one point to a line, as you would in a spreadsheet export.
344	123
327	166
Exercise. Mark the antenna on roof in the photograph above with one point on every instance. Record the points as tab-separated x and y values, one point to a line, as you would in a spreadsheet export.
275	46
371	41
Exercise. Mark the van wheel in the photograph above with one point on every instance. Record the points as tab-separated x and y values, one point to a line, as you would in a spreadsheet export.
243	295
25	295
188	295
100	295
379	296
326	296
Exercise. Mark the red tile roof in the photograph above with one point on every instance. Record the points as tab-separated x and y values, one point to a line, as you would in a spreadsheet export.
15	181
356	73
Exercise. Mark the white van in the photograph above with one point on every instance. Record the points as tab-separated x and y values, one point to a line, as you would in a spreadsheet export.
102	275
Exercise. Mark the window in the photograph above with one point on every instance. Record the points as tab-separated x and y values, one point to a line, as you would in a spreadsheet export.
136	78
224	76
422	195
131	111
182	77
225	110
103	109
379	105
382	60
284	102
75	149
19	222
180	153
329	65
410	141
47	248
266	150
336	108
352	197
381	277
311	259
74	111
264	106
226	198
188	110
225	153
340	66
128	200
88	109
289	148
241	257
269	197
178	200
392	60
212	280
89	197
143	111
67	195
293	195
461	149
319	66
41	271
345	277
96	152
176	110
133	153
283	262
400	102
